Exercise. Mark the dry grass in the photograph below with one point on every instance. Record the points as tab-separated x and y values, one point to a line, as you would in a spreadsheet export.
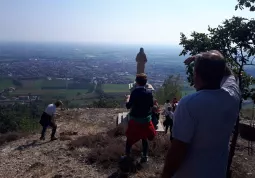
105	149
9	137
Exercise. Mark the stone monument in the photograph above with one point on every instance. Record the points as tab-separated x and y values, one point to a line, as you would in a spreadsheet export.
141	60
123	118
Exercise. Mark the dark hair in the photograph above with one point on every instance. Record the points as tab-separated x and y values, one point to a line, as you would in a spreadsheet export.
58	103
210	66
167	101
141	79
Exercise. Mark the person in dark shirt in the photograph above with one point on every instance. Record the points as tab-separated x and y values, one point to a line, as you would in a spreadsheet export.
155	114
174	104
140	125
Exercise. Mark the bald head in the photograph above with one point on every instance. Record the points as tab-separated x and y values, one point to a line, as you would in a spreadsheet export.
210	68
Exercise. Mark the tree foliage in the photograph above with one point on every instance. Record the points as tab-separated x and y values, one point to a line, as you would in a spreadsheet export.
235	39
250	4
170	89
18	117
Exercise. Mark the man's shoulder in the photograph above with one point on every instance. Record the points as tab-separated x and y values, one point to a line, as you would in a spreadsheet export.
189	98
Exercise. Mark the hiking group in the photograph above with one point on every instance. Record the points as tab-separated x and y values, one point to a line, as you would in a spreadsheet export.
200	123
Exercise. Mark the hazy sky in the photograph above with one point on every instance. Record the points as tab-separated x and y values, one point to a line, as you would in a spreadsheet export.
111	21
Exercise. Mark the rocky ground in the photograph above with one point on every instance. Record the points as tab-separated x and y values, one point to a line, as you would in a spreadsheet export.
90	146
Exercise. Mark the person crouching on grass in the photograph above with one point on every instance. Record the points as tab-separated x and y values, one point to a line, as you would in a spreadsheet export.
47	119
140	126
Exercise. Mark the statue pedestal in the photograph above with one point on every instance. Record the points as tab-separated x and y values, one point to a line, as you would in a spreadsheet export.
132	86
123	118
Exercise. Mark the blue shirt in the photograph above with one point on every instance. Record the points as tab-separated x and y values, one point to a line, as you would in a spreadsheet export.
205	120
140	103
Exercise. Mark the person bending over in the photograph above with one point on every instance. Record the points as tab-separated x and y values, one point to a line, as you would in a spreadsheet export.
140	126
47	119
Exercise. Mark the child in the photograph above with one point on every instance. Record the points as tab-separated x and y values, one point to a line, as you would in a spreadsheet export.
169	120
140	126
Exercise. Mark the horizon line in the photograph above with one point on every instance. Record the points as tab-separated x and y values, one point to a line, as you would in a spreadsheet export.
94	43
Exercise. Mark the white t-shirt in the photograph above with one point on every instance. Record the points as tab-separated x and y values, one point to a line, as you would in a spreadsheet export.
51	109
170	114
205	120
166	107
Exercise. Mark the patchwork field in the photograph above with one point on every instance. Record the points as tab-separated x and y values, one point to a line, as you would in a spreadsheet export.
115	88
56	89
5	83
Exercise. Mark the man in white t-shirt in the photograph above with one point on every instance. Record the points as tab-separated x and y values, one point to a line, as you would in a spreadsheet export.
47	119
169	121
166	105
204	121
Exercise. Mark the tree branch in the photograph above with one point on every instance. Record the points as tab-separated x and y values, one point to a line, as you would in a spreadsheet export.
230	55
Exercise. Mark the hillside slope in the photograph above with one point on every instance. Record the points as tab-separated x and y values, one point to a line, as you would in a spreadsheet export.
89	147
30	157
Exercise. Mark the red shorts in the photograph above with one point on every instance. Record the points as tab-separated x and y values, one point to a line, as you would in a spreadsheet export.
137	131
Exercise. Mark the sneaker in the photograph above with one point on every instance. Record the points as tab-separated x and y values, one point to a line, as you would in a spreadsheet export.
124	157
144	159
42	138
53	138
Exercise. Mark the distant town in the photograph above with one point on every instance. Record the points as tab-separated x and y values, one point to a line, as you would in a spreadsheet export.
33	73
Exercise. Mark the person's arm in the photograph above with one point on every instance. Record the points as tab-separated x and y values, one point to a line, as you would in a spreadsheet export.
54	114
229	83
129	102
175	156
183	131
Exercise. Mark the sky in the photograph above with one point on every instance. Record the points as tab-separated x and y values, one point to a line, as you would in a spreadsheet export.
111	21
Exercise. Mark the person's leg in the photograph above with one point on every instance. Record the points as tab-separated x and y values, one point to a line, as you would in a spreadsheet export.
54	129
144	157
145	147
44	128
171	126
166	129
128	148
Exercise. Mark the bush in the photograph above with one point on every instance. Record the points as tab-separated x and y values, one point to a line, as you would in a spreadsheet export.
106	103
171	88
18	117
